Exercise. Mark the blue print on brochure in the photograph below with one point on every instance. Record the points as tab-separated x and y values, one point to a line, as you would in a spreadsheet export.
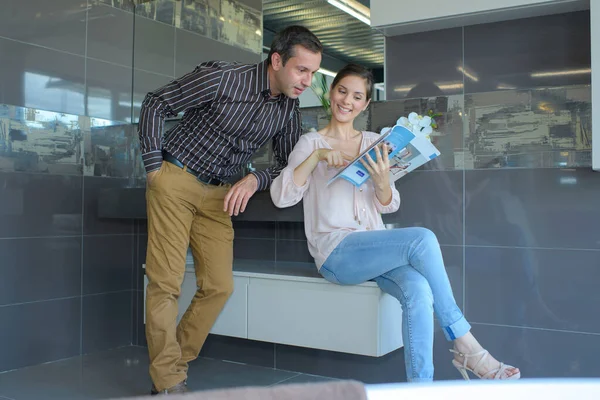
397	140
408	144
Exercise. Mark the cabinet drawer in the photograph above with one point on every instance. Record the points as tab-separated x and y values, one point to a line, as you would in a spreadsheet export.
316	315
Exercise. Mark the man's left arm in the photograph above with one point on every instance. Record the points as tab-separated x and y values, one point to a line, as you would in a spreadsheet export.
283	144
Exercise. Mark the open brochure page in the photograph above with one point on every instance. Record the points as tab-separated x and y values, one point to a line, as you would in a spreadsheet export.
418	152
405	150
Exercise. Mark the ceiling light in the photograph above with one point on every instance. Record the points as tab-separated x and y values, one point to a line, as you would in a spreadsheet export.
468	74
351	7
441	85
560	73
567	180
327	72
451	86
505	86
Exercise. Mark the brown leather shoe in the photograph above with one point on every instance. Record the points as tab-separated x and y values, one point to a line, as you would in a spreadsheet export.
181	387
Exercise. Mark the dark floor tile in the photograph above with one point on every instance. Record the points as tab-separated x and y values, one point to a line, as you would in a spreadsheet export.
123	372
305	378
116	373
53	381
207	374
239	350
113	374
386	369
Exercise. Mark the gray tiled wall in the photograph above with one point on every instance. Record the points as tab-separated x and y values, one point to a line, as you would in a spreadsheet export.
70	86
516	194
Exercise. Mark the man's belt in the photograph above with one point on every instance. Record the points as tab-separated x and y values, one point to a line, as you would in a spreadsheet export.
202	178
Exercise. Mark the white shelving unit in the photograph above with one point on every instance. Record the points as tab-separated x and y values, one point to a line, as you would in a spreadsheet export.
295	306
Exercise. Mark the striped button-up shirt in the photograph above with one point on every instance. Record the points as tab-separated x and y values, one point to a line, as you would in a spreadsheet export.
229	113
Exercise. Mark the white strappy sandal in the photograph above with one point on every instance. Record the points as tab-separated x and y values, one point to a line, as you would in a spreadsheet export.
497	373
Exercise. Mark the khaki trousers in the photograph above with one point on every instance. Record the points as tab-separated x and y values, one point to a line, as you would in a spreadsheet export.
182	213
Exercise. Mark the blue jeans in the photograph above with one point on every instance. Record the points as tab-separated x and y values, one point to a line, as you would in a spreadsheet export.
406	263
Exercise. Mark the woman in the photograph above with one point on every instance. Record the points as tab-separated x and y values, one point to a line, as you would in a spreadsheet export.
350	244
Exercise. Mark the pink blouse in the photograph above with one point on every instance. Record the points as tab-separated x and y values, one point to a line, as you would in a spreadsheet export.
330	212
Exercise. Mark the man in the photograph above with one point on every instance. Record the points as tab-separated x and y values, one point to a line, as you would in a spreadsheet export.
231	110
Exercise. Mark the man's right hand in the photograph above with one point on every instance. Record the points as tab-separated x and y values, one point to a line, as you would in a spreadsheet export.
151	175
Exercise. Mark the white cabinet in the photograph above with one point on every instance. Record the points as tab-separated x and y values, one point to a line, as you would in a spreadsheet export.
307	312
318	314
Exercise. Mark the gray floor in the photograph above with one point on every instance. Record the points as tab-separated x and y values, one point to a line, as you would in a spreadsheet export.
124	373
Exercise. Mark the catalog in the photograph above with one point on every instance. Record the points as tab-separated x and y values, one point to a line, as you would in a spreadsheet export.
406	151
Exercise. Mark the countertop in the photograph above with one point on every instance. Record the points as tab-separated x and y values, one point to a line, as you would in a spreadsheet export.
130	203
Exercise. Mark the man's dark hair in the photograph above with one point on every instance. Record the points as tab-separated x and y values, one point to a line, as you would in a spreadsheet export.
355	70
294	35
